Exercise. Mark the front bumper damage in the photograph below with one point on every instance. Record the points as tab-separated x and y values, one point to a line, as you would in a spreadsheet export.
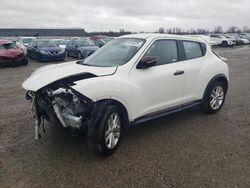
60	106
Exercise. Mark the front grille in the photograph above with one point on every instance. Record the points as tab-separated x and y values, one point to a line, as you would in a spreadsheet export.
53	53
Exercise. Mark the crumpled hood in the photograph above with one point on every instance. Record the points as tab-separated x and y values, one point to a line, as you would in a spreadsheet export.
51	73
10	53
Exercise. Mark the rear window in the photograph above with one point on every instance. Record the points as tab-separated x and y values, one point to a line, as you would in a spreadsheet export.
192	49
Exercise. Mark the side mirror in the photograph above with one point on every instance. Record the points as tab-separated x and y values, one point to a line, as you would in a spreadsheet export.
76	46
146	62
35	47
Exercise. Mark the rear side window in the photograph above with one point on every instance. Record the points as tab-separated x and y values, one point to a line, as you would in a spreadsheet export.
192	49
164	50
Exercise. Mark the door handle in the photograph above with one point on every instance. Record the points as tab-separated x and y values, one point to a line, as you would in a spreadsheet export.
178	72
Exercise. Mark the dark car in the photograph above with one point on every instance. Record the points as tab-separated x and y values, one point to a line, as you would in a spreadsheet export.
45	50
11	55
80	48
102	42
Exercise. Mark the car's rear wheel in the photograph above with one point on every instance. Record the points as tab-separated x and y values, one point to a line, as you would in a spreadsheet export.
224	44
214	97
105	139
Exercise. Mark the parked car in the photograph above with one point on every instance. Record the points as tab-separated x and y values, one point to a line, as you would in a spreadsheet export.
102	42
11	55
222	40
45	50
238	40
206	39
132	79
18	44
244	38
96	37
80	48
60	43
26	41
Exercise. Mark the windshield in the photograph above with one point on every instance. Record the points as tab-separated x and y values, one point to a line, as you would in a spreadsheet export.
45	43
8	46
115	53
59	42
85	43
27	40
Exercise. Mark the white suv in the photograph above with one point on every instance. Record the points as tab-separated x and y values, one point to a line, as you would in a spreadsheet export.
222	40
132	79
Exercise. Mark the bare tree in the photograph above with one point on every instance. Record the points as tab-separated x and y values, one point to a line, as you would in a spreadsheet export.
246	29
161	30
218	29
234	29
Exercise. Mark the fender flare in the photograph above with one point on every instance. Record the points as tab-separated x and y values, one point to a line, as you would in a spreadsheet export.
212	80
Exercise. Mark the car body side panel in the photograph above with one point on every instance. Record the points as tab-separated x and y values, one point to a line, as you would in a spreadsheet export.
199	72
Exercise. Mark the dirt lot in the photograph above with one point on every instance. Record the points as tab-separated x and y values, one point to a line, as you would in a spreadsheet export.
186	149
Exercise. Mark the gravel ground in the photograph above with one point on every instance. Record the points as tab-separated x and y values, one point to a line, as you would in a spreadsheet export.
186	149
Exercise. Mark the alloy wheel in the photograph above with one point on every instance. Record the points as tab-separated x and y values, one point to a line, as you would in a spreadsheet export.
216	97
113	130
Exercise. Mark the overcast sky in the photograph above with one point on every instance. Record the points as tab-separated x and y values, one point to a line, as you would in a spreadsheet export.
133	15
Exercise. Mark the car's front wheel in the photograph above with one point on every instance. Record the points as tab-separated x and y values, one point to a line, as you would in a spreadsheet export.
79	55
105	139
214	97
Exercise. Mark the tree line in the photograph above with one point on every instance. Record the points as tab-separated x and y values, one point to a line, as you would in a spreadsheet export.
176	30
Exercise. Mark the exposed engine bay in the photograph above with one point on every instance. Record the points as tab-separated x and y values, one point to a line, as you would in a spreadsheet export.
61	106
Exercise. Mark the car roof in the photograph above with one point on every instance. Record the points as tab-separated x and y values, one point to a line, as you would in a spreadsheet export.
160	36
5	42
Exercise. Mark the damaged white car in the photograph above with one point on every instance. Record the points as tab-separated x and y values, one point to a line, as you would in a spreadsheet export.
132	79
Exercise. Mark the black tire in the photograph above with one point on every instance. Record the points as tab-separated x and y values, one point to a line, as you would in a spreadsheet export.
79	55
207	99
96	137
25	61
224	44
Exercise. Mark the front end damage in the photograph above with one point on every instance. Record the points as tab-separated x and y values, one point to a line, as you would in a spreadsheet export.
61	106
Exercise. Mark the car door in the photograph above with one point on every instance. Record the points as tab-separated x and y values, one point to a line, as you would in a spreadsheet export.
161	86
31	50
74	48
70	48
194	63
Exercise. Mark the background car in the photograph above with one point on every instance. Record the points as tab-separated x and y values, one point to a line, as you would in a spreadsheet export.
244	38
80	48
11	55
45	50
103	41
96	37
60	43
238	40
222	40
26	41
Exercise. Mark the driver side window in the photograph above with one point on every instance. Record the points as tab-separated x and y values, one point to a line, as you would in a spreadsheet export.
164	50
74	43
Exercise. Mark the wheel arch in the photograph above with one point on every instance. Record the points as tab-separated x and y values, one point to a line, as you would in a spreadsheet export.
121	107
220	77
